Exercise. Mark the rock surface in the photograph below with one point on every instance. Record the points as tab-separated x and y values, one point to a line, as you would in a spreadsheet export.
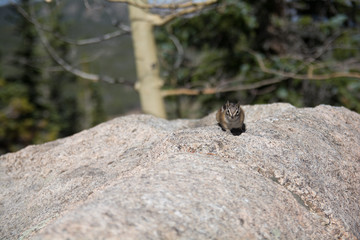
294	174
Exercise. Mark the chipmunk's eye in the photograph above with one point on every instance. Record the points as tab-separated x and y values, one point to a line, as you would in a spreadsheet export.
237	112
228	112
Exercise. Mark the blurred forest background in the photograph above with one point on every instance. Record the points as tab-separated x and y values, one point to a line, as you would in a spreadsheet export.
302	52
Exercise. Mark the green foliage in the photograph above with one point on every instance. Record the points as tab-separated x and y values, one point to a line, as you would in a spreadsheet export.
293	38
25	116
19	121
37	105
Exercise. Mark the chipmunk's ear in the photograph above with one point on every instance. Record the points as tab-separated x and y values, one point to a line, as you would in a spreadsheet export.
226	105
238	104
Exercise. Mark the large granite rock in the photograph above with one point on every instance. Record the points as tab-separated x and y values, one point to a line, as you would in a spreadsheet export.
294	174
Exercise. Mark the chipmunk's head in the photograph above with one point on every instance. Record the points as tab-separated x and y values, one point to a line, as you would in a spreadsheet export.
232	110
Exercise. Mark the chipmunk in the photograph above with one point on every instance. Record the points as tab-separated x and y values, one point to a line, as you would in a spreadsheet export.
231	117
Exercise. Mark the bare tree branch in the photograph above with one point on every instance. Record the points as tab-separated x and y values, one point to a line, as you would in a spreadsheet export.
70	68
66	66
160	20
89	7
326	46
179	49
179	9
309	76
187	4
87	4
188	91
123	30
280	76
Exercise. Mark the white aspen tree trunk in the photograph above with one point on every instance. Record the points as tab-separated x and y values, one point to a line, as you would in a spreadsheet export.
149	83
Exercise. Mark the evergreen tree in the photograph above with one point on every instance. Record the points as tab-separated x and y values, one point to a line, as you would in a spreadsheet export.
63	86
38	105
289	35
25	114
